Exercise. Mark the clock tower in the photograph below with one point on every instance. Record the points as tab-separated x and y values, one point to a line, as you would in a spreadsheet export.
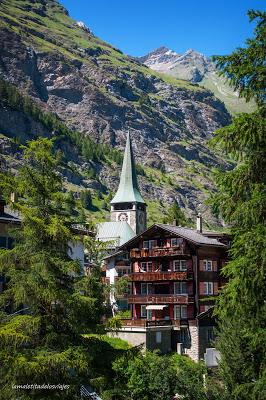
128	204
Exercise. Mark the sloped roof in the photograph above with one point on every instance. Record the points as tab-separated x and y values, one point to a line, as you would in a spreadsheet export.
9	218
186	233
118	231
128	189
192	235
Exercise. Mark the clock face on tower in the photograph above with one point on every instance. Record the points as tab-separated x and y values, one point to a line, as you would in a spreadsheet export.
123	217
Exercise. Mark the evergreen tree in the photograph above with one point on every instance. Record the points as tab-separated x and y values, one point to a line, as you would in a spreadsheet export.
175	214
241	200
43	345
85	198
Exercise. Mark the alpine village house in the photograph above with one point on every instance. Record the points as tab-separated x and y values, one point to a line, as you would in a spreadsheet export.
173	273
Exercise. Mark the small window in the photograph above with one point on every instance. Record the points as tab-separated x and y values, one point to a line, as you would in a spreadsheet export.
149	244
152	244
158	337
175	242
183	336
143	267
180	265
143	288
210	336
149	266
180	312
183	312
207	265
3	242
208	288
143	311
146	288
180	288
146	266
149	315
146	244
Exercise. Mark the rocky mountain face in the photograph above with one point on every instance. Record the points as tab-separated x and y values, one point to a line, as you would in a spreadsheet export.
196	68
191	66
100	93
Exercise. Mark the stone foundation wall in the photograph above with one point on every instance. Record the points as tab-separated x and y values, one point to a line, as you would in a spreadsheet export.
132	337
193	350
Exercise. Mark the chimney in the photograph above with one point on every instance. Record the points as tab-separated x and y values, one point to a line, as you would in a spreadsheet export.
13	197
199	223
174	222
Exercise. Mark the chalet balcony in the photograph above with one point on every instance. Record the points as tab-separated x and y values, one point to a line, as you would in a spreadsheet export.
158	252
144	323
160	299
160	276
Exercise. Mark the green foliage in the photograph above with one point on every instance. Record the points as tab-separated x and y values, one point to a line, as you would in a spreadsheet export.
245	67
85	198
241	200
174	213
44	346
121	286
91	150
151	376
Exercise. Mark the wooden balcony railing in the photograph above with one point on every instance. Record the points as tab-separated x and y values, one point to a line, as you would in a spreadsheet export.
152	323
159	276
157	252
160	299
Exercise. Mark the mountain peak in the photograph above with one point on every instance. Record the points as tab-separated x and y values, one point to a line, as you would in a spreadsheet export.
160	58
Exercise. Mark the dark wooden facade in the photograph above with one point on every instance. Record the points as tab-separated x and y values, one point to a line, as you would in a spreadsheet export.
180	274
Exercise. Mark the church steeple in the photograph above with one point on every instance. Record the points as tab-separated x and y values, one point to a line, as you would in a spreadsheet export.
128	190
128	204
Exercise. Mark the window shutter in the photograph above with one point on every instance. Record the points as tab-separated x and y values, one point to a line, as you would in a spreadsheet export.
201	288
201	264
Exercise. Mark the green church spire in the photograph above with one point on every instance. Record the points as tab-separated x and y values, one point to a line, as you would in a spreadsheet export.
128	190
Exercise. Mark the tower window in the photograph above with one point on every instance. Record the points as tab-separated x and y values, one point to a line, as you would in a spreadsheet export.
123	206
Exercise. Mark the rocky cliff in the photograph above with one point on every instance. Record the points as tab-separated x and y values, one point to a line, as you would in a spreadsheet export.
99	92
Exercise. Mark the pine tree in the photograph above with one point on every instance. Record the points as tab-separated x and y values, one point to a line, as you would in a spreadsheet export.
175	214
241	200
43	344
86	200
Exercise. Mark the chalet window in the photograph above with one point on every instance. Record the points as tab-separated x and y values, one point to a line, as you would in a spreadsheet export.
210	334
207	265
143	311
180	265
183	336
175	242
158	337
123	271
208	288
180	312
146	288
149	315
146	266
149	244
5	242
180	288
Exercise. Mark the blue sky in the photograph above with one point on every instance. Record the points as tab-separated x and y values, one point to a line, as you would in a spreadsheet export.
139	26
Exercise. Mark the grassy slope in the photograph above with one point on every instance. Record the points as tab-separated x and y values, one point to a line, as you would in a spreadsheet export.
225	93
54	31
